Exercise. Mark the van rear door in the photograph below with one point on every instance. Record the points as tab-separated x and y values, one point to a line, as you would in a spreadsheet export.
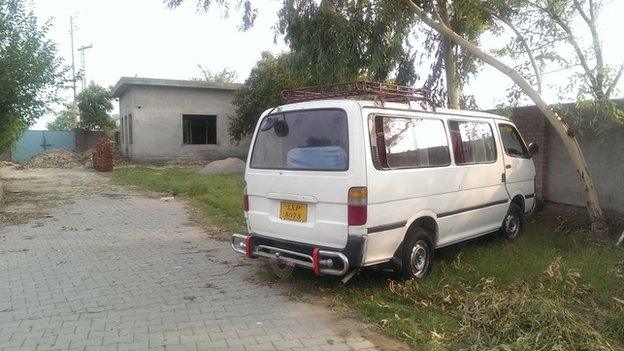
298	177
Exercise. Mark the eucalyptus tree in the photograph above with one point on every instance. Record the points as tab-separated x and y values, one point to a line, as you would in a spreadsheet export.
431	17
336	41
30	72
563	35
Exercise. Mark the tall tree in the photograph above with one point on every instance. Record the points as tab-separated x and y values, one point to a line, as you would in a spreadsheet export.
30	71
370	39
341	40
433	19
66	119
331	41
452	66
94	105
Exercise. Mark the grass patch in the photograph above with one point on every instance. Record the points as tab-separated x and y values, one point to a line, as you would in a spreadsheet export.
218	196
551	289
546	290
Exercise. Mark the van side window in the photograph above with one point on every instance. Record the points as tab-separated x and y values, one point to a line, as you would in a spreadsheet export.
512	142
401	142
473	142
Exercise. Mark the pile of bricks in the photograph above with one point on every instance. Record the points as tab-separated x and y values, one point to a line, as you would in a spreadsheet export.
103	156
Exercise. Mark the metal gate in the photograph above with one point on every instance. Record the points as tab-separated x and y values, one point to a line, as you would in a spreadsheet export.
34	142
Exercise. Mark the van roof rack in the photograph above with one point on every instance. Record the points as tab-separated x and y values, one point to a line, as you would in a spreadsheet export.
377	91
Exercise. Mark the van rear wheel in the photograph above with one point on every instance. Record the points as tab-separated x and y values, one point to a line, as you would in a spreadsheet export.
417	255
512	224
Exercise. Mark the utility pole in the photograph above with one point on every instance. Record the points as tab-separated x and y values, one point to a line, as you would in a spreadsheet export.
82	58
71	31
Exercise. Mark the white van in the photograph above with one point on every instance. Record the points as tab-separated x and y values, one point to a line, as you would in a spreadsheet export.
338	184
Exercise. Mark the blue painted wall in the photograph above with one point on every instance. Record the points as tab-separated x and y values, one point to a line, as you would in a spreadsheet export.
34	142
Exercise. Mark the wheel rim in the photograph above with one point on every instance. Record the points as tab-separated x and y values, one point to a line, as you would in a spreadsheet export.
419	259
512	225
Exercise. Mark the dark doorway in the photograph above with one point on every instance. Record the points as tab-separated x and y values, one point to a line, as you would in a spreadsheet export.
199	129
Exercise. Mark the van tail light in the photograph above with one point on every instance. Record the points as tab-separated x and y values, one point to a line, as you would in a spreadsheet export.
357	205
245	201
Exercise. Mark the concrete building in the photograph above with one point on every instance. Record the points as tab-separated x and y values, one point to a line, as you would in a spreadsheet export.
176	120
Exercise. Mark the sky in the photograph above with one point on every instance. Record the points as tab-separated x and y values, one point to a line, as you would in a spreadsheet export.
143	38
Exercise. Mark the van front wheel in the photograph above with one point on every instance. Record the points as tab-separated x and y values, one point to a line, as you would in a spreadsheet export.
512	224
417	255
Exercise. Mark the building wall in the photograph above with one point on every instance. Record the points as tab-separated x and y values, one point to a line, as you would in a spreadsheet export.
557	180
157	123
86	140
606	166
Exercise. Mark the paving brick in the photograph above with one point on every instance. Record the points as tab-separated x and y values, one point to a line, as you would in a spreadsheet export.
136	279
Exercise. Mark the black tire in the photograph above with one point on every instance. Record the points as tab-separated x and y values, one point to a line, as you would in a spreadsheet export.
513	222
417	255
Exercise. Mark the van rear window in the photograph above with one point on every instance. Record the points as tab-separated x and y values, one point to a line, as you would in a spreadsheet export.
314	140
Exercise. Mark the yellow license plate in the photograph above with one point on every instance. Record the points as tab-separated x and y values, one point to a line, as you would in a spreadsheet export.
293	211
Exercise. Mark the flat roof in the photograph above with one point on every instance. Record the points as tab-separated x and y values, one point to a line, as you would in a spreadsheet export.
126	82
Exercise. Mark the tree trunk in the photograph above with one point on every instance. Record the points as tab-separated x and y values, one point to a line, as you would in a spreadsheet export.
567	136
450	61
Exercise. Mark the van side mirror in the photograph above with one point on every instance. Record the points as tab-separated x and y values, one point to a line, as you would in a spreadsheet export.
533	149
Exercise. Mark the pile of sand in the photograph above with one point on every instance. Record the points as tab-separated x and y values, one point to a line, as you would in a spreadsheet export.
229	165
59	158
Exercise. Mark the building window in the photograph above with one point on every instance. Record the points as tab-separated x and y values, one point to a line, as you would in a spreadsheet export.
199	129
400	142
473	142
130	129
122	127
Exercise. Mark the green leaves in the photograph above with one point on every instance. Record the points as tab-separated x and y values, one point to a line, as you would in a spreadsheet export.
340	40
331	41
30	73
66	119
262	90
94	104
224	76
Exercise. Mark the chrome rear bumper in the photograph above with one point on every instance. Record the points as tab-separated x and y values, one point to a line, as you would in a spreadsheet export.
321	261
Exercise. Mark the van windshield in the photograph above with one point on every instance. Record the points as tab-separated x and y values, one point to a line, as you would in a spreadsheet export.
314	140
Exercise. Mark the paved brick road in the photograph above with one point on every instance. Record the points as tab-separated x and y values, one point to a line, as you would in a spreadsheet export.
98	267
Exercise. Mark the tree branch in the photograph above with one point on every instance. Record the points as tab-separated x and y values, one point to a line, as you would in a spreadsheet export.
570	143
524	44
582	13
615	81
577	48
596	45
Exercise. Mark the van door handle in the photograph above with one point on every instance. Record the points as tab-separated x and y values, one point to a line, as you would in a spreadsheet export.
508	166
